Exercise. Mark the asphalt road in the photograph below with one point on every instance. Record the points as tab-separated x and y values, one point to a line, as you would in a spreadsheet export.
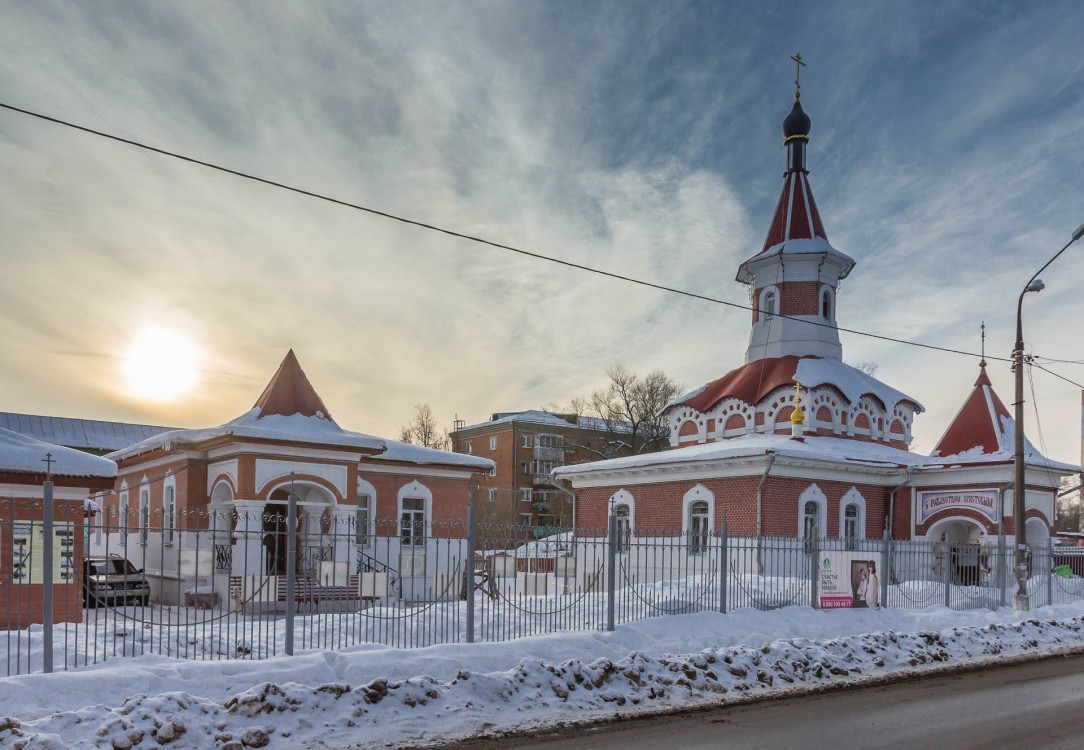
1037	705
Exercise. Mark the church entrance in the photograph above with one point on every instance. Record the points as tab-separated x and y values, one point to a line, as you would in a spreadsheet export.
274	537
963	547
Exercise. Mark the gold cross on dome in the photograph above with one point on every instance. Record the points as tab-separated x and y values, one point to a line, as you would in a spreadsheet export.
798	65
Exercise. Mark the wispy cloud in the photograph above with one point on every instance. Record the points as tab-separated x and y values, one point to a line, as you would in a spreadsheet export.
642	140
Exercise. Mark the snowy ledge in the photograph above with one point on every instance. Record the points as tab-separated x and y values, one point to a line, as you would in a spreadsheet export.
535	693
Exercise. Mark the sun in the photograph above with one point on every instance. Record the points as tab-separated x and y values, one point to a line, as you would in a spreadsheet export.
160	364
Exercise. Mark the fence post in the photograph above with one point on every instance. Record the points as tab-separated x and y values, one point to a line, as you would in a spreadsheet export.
291	570
723	567
886	568
1049	571
471	542
1001	569
47	577
946	573
815	570
611	571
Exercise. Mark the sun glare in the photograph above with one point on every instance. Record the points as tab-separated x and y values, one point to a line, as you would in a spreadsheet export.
160	364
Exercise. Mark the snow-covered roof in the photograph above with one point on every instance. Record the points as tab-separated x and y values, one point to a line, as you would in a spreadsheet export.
821	448
550	419
22	454
290	410
754	380
416	454
296	428
839	450
84	434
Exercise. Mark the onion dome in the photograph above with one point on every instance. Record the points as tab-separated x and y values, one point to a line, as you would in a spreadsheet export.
797	124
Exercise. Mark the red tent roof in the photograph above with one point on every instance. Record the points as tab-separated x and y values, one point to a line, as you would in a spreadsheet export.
796	216
290	392
980	423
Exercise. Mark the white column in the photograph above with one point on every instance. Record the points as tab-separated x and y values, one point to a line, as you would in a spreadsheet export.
248	552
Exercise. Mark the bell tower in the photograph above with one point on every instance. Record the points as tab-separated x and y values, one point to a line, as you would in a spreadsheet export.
797	272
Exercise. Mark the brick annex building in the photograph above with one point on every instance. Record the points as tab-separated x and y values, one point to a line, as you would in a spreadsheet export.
526	447
231	483
828	459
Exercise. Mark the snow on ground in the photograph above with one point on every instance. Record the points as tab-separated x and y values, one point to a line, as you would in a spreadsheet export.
377	696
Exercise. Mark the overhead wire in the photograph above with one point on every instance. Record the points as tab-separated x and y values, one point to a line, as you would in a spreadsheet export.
473	238
1035	407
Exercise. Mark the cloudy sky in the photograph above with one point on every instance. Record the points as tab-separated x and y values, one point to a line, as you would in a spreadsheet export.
641	138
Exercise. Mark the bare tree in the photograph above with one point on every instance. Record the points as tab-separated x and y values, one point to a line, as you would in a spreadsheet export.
1069	509
869	367
423	429
630	406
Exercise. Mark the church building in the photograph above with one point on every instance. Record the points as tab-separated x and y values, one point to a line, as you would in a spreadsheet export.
796	443
189	506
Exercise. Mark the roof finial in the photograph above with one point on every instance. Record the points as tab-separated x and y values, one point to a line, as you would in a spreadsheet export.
982	360
798	65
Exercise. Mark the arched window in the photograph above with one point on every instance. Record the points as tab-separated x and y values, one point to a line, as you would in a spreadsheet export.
768	306
850	526
810	524
362	521
412	521
624	528
698	527
826	304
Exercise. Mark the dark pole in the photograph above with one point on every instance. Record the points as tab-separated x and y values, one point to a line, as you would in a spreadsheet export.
1021	601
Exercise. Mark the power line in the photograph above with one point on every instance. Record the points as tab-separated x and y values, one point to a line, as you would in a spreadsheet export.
1056	375
1050	361
473	238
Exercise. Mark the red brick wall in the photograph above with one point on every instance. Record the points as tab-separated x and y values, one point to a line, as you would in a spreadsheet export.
21	605
800	298
449	498
658	507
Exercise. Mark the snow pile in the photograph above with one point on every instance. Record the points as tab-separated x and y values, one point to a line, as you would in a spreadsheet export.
385	698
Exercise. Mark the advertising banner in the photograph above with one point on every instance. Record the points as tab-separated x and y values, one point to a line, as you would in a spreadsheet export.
849	579
27	543
983	501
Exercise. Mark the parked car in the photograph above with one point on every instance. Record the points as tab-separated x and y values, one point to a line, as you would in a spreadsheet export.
111	579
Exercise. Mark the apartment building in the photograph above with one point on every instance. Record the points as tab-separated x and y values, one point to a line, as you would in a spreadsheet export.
526	447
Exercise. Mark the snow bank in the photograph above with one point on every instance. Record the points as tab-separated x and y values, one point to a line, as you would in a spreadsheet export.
392	698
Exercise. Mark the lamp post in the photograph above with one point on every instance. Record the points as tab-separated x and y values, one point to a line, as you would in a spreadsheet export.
1021	602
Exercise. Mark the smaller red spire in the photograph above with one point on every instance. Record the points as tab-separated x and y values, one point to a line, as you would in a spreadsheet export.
796	216
980	423
290	392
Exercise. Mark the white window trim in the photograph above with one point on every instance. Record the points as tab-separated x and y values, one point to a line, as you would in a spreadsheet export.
470	447
414	490
624	497
826	289
493	443
813	493
123	509
853	497
492	494
366	533
525	494
169	514
144	511
766	313
699	493
367	489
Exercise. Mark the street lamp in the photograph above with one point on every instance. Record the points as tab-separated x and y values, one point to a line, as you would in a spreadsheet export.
1021	601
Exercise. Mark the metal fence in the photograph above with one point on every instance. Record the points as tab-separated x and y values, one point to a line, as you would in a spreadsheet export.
210	586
